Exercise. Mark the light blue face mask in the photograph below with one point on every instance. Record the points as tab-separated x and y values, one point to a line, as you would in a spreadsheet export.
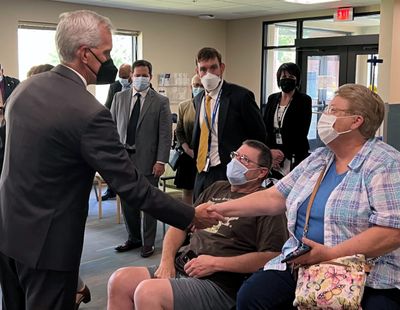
196	91
125	83
141	83
235	172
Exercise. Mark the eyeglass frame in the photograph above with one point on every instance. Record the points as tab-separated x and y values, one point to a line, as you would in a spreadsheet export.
244	158
332	110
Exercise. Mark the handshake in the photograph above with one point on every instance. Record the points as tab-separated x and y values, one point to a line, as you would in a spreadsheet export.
206	216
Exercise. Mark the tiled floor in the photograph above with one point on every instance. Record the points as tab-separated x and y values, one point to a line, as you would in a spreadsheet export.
99	259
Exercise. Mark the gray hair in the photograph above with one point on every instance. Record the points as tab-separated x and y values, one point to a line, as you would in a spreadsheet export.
76	29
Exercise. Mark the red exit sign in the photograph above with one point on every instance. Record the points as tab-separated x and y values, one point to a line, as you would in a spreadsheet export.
343	14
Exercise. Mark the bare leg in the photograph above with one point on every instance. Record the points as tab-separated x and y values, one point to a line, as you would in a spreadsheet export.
155	294
187	196
122	285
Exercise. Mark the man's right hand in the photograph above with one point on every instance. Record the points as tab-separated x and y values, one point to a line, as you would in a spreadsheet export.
204	218
165	271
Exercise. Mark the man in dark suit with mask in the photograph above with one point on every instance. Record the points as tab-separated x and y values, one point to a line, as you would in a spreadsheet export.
58	135
226	115
124	82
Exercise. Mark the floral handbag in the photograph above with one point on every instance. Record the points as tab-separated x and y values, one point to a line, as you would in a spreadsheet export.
335	284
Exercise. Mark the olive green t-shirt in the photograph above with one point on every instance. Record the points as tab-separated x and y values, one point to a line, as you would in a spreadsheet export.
239	235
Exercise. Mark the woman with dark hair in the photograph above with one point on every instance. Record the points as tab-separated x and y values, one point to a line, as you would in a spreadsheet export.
287	119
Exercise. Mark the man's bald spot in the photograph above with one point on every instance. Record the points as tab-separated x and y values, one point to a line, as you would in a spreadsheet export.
125	71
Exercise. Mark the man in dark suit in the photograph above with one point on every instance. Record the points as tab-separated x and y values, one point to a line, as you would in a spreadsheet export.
124	82
7	85
226	115
58	135
148	143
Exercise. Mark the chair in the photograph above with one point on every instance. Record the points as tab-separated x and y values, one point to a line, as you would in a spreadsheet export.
98	183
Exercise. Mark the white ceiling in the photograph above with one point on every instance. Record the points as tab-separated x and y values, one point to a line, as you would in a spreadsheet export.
221	9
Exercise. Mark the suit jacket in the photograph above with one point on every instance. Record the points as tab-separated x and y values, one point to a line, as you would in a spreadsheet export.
154	130
184	127
10	84
58	135
295	125
239	118
114	88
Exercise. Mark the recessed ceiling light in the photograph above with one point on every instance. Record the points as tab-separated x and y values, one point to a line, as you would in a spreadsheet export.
206	16
310	1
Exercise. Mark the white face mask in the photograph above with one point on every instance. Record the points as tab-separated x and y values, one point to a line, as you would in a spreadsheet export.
141	83
235	172
326	131
210	81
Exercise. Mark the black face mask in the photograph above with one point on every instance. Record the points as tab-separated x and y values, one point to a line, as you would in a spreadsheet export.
107	72
287	85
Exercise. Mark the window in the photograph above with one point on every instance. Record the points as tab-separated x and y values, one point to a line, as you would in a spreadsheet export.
30	53
279	41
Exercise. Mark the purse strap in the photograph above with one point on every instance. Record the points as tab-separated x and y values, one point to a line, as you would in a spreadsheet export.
311	201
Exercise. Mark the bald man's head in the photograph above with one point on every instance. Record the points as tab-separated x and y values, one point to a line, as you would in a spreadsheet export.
197	87
125	71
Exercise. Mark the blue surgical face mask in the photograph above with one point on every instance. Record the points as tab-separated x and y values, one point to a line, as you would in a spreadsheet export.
196	91
125	82
235	171
141	83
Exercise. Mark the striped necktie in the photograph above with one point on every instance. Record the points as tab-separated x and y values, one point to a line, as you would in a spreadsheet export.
204	134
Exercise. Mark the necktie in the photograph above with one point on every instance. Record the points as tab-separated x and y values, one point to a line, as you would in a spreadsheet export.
203	143
133	121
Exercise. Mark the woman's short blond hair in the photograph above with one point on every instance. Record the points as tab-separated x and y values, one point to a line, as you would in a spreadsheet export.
364	102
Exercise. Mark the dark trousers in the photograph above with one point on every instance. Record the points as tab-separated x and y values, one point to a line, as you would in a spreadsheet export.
273	289
33	289
205	179
134	222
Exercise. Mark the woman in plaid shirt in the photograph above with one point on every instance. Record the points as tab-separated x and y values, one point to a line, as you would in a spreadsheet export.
356	208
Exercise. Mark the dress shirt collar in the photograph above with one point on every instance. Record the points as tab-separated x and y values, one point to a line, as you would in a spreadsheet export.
142	93
80	75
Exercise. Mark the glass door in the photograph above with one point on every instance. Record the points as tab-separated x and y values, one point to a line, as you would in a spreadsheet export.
325	69
321	71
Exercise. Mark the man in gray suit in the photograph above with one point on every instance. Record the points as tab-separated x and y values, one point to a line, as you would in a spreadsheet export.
143	119
58	135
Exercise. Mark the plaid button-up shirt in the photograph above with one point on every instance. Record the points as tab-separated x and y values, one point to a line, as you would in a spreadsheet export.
368	195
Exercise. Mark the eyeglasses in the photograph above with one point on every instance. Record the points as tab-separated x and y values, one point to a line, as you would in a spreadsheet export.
332	110
243	159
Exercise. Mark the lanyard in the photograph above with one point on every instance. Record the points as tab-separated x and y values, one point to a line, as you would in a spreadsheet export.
213	116
213	113
279	120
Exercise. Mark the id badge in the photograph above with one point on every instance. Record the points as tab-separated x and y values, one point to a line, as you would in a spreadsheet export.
207	166
278	137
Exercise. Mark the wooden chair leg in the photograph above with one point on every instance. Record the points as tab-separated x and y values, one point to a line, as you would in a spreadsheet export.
118	210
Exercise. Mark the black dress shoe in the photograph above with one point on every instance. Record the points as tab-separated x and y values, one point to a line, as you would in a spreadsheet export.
147	251
82	296
109	194
128	245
